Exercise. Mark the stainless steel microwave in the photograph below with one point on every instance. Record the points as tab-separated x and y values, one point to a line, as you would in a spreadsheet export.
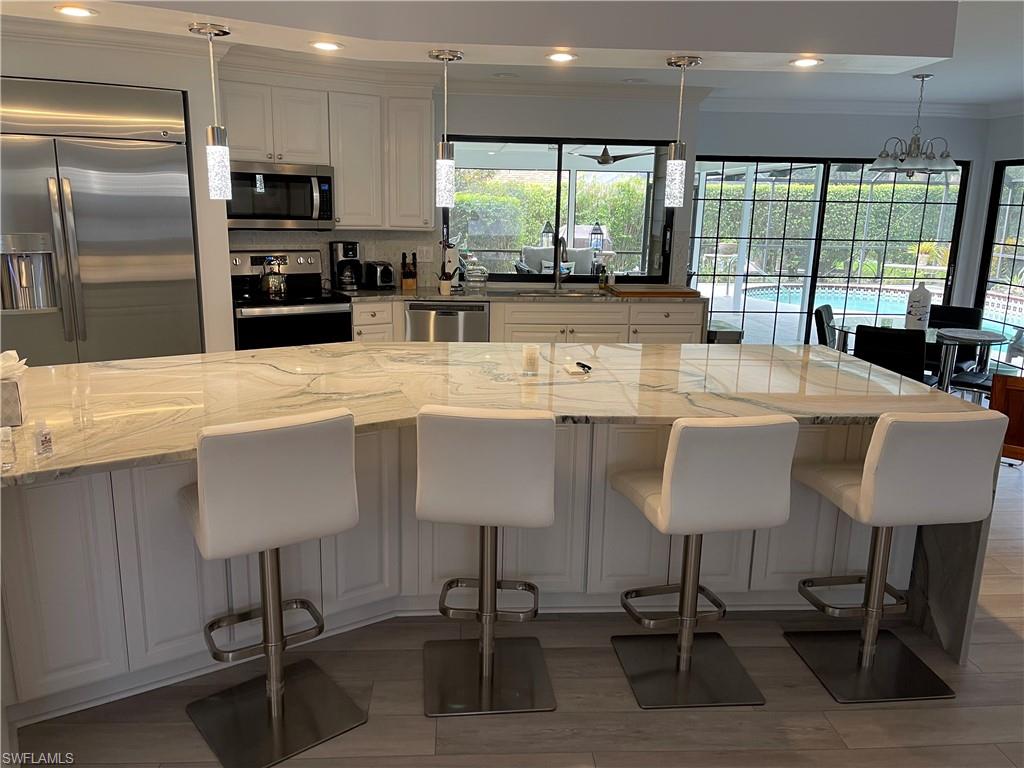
281	196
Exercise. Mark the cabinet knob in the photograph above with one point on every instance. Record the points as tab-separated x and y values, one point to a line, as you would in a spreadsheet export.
635	331
373	314
337	220
280	157
572	330
359	333
562	331
667	315
270	155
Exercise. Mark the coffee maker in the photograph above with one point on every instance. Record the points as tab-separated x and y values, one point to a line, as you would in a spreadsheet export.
346	266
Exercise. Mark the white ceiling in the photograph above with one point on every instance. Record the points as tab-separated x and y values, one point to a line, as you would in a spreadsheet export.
975	48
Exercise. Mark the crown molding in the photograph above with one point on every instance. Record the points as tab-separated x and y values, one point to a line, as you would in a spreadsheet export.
17	29
253	60
1006	109
843	107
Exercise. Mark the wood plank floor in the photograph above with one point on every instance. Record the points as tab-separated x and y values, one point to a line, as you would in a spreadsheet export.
597	724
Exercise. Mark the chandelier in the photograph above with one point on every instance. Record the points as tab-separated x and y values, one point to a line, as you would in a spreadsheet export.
915	155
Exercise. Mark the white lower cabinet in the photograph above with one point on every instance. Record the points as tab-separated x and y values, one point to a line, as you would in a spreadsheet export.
533	333
595	334
170	591
724	561
361	565
61	589
374	333
666	334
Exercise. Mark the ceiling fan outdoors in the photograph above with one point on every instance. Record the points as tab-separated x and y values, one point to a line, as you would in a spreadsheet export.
607	158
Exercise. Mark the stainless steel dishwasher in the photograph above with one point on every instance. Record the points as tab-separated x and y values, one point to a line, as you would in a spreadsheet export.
447	321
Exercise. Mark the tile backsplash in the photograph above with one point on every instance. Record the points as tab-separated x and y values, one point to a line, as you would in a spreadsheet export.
375	245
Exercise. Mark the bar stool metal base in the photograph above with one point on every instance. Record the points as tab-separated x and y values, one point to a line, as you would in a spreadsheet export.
238	725
896	674
715	677
452	681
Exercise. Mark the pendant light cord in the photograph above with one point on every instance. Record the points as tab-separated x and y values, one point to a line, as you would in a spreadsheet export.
444	132
920	101
213	81
679	114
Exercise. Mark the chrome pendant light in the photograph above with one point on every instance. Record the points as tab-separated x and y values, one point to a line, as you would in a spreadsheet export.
675	167
218	159
444	173
914	155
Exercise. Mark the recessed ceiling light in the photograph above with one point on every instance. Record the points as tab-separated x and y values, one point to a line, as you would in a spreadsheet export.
492	153
806	62
562	56
505	75
75	10
326	45
635	80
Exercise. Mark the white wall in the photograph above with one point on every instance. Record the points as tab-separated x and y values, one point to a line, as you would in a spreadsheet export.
733	131
65	52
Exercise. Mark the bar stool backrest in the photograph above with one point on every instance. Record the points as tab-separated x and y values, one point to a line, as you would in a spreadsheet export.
274	482
485	466
823	320
930	468
900	350
727	474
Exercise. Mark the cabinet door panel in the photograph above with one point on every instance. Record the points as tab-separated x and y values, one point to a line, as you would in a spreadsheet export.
249	118
527	333
170	591
596	334
356	125
375	333
361	565
554	557
301	132
410	163
625	550
62	593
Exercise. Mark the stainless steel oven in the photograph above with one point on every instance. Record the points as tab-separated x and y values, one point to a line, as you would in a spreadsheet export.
281	196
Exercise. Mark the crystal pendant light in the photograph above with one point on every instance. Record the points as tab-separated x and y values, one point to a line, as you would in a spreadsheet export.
218	159
444	174
675	166
915	155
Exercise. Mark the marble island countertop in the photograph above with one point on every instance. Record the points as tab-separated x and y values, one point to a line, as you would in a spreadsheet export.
113	415
575	294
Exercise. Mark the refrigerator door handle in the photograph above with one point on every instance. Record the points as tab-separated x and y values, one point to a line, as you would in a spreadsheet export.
76	271
316	197
61	258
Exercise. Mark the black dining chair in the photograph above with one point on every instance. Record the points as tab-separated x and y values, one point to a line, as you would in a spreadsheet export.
943	316
896	349
823	319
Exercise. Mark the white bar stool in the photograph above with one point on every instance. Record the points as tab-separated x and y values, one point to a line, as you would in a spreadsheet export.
920	469
720	474
506	462
235	510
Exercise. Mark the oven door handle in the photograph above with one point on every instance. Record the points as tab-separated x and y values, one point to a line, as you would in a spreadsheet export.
315	180
298	309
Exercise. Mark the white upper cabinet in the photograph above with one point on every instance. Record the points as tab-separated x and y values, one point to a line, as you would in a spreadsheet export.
301	133
286	125
249	118
410	138
356	133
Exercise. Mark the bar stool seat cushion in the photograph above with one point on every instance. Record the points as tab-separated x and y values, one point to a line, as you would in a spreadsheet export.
273	482
920	469
485	466
720	474
839	483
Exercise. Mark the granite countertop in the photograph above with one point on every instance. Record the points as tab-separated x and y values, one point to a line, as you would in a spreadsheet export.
507	294
128	413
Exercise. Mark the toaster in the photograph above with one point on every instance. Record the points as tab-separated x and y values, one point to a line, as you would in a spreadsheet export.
378	275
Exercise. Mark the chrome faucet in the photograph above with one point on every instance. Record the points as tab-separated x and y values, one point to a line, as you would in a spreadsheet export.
560	251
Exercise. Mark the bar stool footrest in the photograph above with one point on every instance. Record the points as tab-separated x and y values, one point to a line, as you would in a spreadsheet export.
806	587
648	621
256	649
470	614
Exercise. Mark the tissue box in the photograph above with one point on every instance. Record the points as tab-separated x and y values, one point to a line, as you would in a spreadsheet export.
10	403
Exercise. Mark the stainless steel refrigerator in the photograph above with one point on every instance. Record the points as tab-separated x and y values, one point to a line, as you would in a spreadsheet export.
96	227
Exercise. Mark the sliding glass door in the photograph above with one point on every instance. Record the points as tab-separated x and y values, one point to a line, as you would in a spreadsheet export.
1001	282
773	238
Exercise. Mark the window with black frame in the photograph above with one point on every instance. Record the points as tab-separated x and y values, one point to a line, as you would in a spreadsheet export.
1001	281
522	204
774	238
